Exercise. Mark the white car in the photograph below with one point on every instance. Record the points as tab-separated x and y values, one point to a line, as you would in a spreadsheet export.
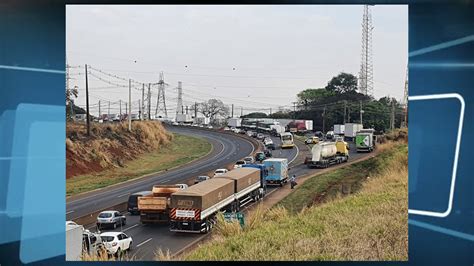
175	123
116	242
210	127
239	164
182	186
110	218
219	172
249	160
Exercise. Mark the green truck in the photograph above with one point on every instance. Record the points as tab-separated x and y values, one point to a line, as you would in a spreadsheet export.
365	140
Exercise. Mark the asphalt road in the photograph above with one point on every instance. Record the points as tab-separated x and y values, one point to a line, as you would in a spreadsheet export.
226	149
148	239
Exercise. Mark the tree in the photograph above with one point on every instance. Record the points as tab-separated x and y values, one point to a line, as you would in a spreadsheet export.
255	115
213	108
70	95
309	96
342	83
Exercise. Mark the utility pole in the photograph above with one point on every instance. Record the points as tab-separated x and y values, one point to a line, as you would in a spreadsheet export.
405	101
182	109
361	112
241	111
99	110
129	105
120	109
195	110
186	109
392	116
161	96
232	111
149	101
87	105
126	108
294	111
270	111
324	119
108	111
139	110
366	66
345	107
143	103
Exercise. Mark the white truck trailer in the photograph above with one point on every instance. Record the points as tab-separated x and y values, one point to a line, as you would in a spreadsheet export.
74	242
234	122
339	129
351	129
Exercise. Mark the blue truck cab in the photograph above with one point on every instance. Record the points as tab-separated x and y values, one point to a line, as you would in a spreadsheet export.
277	169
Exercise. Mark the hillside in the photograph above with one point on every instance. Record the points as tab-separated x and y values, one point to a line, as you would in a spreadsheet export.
113	154
110	145
320	220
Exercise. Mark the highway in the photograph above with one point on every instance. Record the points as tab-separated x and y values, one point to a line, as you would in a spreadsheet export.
148	239
226	149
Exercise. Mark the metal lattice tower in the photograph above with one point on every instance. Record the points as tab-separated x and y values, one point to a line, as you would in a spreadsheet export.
179	107
366	77
161	96
405	100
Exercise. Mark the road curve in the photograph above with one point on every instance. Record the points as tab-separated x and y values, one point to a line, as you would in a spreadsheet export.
227	149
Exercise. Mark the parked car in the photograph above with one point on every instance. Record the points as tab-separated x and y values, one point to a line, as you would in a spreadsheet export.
175	124
260	136
210	127
116	242
132	204
254	134
219	172
260	156
239	164
249	160
249	133
110	218
226	129
242	131
201	178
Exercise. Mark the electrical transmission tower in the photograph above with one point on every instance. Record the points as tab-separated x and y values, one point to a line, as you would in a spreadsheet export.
366	82
179	107
161	96
405	101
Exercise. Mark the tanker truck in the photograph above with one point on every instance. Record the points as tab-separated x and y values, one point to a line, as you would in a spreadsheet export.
154	208
325	154
194	209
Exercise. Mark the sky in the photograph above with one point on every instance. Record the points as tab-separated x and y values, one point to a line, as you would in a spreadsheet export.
255	57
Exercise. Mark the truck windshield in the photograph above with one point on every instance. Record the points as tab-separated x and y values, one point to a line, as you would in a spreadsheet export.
287	137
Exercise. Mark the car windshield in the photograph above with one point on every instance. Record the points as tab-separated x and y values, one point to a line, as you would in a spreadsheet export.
240	162
107	238
202	178
219	171
105	215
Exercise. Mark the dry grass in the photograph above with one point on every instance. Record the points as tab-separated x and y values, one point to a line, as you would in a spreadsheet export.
371	224
110	145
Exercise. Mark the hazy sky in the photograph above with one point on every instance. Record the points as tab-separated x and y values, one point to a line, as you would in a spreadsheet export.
256	57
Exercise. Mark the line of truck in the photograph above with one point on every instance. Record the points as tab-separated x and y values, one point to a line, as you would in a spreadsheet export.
193	209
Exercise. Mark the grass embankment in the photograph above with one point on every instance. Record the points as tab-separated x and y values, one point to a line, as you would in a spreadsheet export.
161	150
370	224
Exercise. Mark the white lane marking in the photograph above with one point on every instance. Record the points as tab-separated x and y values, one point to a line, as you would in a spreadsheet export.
126	194
144	242
69	212
297	152
133	226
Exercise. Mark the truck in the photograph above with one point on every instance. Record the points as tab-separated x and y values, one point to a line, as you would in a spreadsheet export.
154	208
300	126
80	241
325	154
276	130
365	140
339	130
234	122
184	118
277	169
194	210
350	129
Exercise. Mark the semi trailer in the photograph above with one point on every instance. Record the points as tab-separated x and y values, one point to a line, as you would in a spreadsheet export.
154	208
325	154
193	210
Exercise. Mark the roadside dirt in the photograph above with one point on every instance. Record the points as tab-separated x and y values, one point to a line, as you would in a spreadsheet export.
110	145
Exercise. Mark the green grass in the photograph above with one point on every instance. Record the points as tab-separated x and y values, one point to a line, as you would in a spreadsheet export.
370	224
181	150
